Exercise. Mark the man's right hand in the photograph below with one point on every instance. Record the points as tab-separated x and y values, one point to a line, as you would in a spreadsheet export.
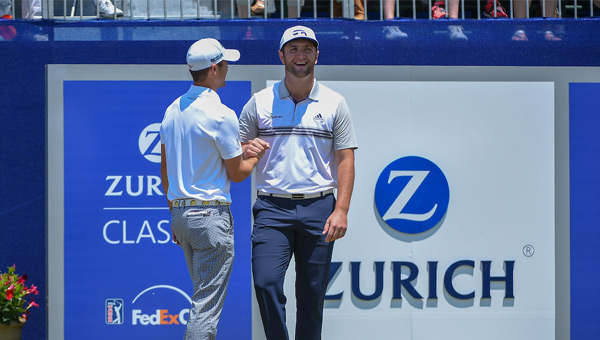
256	148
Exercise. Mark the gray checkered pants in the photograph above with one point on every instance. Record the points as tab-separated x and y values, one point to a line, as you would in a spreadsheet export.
205	234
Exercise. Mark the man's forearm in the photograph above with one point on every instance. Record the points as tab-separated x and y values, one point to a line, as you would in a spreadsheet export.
345	180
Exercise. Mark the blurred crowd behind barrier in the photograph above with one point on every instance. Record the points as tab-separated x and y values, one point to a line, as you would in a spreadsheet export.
243	9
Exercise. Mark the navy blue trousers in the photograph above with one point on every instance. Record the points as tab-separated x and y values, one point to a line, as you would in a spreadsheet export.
282	228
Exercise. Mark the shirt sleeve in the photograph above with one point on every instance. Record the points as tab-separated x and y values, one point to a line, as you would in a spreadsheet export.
249	121
343	130
227	136
162	125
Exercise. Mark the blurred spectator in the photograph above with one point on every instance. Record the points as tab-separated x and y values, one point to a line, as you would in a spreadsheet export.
488	10
293	8
106	9
31	9
438	10
359	9
5	9
521	8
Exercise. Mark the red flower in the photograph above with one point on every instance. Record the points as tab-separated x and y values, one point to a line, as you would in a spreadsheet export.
32	304
10	292
33	290
13	292
22	279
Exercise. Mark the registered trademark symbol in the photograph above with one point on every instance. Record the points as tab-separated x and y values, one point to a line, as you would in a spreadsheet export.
528	250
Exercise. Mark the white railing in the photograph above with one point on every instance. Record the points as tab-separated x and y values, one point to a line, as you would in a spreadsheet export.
242	9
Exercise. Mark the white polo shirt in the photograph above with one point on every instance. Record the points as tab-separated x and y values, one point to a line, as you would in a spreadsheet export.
303	138
199	132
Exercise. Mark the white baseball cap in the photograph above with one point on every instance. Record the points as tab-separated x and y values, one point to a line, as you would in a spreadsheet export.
206	52
297	32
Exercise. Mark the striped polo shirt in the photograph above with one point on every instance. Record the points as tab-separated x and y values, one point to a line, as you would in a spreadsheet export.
303	138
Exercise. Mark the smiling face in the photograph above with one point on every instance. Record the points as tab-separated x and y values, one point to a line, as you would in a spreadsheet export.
299	57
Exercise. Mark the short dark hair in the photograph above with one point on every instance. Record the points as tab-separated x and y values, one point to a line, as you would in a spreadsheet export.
200	75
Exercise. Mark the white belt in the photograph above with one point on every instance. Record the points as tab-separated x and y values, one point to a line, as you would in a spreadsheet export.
298	196
181	203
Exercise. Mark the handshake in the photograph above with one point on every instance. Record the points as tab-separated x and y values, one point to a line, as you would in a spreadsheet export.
255	148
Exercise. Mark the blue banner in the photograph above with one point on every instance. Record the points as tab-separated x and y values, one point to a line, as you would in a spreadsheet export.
124	277
584	123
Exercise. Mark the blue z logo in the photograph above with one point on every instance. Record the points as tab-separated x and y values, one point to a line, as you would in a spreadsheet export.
412	195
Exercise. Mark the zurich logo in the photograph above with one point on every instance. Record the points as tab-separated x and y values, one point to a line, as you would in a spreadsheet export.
149	143
412	195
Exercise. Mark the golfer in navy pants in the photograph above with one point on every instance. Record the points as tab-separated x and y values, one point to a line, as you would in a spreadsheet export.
284	227
309	129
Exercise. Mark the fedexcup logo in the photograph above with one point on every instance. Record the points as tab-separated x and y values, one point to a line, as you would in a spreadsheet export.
412	195
146	312
149	143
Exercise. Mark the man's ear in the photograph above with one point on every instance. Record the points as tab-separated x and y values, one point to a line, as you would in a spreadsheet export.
281	57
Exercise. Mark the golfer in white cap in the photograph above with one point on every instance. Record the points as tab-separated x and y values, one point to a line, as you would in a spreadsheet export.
296	214
201	154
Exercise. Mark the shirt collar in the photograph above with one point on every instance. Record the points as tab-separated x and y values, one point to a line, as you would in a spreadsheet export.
203	91
313	95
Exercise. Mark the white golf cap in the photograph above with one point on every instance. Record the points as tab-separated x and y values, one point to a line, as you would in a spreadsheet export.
206	52
297	32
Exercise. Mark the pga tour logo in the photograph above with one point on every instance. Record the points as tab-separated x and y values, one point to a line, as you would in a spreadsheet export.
114	312
412	195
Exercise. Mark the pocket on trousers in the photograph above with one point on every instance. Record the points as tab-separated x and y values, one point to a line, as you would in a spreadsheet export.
198	213
256	207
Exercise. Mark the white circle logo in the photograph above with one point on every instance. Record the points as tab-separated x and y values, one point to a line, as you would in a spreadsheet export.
149	143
